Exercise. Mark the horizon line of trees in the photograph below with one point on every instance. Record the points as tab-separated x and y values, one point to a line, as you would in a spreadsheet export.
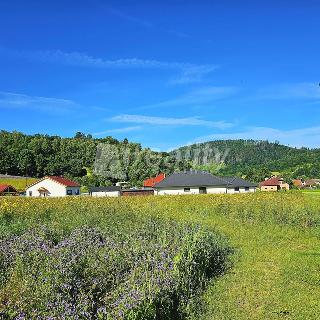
40	154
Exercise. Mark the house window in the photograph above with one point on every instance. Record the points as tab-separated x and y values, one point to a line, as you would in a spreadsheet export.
202	190
69	192
186	189
237	189
30	193
247	189
77	192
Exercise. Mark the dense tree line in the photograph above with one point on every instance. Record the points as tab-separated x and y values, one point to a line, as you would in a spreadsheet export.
253	159
105	161
39	155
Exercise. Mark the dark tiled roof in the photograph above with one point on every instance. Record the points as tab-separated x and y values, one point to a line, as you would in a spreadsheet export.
201	178
238	182
190	179
105	189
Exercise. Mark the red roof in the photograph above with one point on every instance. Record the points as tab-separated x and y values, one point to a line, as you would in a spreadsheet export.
62	180
271	182
297	182
66	182
5	187
152	181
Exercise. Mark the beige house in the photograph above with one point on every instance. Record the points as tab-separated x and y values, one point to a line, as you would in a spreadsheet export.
53	186
274	184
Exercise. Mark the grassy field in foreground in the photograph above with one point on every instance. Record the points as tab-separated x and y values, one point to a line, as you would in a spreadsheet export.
276	268
18	183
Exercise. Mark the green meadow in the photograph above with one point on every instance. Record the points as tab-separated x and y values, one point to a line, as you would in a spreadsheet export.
18	183
272	270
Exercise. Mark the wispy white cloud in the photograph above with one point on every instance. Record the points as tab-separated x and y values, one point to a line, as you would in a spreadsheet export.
191	121
303	137
85	60
147	24
22	101
200	96
186	72
125	16
193	74
305	90
118	130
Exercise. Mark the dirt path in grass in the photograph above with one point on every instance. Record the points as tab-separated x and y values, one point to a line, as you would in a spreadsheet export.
276	274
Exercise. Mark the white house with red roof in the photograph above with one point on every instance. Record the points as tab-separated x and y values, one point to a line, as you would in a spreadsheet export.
53	186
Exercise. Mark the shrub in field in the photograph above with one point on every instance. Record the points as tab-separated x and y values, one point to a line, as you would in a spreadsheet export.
150	272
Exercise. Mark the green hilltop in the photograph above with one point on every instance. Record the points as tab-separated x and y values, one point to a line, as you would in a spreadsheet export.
251	158
99	162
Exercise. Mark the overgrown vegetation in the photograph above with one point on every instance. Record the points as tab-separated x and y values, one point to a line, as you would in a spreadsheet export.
70	258
275	237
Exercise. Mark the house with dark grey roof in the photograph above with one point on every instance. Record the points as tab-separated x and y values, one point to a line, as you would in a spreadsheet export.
201	182
109	191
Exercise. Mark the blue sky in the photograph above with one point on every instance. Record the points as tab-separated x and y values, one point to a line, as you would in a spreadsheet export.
165	73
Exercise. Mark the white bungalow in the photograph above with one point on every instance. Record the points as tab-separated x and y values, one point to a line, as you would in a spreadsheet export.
53	186
200	182
109	191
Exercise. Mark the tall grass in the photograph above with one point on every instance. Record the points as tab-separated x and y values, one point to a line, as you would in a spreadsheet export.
145	258
96	259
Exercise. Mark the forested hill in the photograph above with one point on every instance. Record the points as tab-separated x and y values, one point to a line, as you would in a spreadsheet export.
105	161
253	159
86	159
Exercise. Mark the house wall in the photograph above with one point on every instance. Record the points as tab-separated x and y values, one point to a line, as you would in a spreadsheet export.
269	188
241	190
55	189
75	191
106	194
216	190
195	190
285	186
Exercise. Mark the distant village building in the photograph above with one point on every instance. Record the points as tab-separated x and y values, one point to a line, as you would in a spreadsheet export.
8	190
53	186
122	184
312	183
298	183
200	182
109	191
150	183
274	184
